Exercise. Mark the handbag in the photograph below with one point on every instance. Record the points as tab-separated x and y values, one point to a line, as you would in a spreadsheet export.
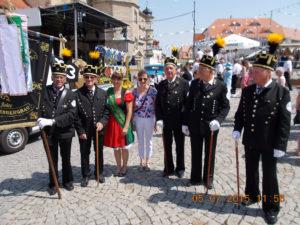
297	118
133	124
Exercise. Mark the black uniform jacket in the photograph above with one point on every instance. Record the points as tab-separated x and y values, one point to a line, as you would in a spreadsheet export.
205	104
88	114
265	117
170	101
64	115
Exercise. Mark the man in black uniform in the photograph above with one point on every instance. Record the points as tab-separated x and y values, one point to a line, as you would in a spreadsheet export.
92	115
170	101
264	113
206	108
57	117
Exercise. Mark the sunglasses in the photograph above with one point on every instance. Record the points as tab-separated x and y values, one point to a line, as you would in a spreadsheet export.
143	79
89	77
117	78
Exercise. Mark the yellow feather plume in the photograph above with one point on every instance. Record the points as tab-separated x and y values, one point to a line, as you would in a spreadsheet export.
220	42
94	54
174	48
65	52
275	38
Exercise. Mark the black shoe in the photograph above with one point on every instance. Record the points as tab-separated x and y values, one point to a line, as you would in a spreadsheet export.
69	186
123	173
165	174
209	186
180	173
101	179
84	182
248	203
51	190
270	217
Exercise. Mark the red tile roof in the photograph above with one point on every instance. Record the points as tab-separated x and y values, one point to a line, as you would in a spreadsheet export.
18	4
254	28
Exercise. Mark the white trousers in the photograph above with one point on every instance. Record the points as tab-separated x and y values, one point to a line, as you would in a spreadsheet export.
144	131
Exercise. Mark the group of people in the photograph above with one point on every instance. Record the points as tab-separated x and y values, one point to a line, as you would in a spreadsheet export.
196	110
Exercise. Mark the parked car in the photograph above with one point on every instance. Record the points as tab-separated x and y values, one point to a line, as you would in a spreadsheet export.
14	140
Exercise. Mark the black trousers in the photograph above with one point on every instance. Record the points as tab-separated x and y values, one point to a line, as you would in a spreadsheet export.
288	80
85	150
270	190
168	134
197	149
233	83
65	153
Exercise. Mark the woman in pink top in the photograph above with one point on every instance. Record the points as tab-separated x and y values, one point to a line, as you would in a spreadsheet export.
246	74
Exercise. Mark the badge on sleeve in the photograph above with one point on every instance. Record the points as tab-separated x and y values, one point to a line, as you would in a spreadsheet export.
73	103
289	107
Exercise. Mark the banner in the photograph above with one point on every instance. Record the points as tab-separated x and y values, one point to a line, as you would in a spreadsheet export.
23	111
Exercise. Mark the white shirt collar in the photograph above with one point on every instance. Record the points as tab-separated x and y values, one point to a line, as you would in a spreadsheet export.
267	84
62	88
210	81
172	80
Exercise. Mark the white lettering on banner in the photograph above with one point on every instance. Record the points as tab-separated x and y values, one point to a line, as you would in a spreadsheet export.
71	72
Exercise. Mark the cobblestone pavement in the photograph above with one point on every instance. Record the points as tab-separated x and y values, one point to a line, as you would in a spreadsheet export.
140	197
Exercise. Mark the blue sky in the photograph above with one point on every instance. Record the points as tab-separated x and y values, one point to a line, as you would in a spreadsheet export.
285	12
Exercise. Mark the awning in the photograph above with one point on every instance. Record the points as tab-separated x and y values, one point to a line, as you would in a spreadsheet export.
60	15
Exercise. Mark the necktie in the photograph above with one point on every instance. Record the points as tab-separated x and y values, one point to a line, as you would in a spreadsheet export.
91	96
259	89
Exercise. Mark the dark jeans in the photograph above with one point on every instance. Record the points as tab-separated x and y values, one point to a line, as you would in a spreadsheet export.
168	134
65	153
233	83
85	150
287	79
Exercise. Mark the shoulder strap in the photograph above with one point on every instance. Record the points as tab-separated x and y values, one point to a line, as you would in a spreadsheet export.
61	100
143	101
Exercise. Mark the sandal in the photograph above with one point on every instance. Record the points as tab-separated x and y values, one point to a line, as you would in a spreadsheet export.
118	172
141	167
147	168
123	172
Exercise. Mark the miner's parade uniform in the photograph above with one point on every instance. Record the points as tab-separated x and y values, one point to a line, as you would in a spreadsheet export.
57	117
206	108
92	110
170	101
264	113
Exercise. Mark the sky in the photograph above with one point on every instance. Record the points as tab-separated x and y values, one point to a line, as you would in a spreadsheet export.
178	31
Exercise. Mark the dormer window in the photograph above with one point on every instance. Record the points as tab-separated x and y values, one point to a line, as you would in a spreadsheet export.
254	23
235	24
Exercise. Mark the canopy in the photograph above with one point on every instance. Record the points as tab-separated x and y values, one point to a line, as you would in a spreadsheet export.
235	41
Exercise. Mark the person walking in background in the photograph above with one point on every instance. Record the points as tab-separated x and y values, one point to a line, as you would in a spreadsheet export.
220	69
228	78
246	74
280	79
144	118
288	69
119	134
236	71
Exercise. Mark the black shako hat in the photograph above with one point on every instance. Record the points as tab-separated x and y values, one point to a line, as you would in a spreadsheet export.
59	66
269	60
210	61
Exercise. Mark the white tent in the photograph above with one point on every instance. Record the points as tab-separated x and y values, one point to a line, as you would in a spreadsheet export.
235	41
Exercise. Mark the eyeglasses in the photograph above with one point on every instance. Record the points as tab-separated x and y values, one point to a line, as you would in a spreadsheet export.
143	79
89	77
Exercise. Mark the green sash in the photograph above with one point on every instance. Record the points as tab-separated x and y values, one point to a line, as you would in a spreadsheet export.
119	115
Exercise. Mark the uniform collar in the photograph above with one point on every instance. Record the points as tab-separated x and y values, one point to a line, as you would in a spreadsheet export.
172	80
56	89
267	84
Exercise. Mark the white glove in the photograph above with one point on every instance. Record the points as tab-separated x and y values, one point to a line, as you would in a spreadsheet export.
160	123
278	153
185	130
45	122
236	135
214	125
